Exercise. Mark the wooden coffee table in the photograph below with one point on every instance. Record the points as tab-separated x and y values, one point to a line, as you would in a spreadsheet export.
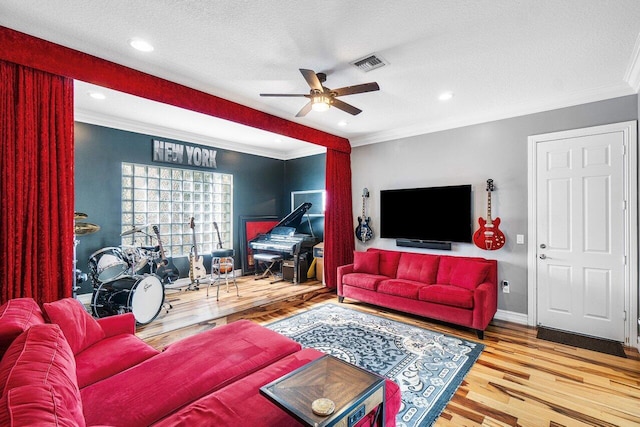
355	392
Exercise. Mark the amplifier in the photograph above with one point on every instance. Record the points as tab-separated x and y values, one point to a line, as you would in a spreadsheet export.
287	269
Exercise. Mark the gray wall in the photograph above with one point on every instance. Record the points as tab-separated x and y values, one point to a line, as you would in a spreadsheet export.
261	184
471	155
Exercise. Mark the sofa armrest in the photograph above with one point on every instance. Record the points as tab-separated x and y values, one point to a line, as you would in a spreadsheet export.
342	270
485	303
118	324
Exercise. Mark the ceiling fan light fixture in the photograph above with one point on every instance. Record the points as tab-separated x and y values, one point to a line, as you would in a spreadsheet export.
320	103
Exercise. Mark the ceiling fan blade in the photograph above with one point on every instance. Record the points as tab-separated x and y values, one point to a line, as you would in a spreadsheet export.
350	90
305	110
312	79
285	94
345	107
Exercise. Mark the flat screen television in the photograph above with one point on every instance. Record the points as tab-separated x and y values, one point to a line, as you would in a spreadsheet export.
440	214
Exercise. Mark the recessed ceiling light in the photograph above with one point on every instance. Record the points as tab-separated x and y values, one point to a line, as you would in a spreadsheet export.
141	45
97	95
445	96
342	123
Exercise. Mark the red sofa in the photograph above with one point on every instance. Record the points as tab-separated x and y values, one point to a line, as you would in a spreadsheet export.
79	371
459	290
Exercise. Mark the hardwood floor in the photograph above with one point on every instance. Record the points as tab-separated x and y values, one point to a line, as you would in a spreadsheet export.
518	380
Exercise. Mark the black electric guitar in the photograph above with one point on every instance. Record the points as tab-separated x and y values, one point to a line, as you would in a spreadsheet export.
196	263
363	231
215	225
164	268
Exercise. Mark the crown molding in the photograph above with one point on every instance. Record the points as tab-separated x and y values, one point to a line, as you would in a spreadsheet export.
632	75
586	97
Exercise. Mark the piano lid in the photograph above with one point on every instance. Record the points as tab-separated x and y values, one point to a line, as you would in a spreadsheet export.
291	221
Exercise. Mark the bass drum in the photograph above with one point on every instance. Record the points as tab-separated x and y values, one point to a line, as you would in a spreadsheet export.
141	295
107	264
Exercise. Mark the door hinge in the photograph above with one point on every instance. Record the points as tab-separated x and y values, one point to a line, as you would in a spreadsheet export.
625	315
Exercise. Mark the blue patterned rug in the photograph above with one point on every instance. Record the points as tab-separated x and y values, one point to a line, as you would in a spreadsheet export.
428	366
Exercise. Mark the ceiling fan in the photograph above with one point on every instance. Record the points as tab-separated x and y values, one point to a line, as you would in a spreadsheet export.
321	98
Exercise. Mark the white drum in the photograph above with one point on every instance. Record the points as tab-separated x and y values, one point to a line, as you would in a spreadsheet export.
141	295
107	264
136	258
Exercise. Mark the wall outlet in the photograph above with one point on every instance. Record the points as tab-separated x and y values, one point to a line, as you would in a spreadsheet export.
505	286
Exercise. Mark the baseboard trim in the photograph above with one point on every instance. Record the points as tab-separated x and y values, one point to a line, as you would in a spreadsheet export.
511	316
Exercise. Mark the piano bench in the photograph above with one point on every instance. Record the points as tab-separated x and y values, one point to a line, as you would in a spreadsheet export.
269	260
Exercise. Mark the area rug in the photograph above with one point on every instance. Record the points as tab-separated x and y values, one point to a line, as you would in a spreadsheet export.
428	366
581	341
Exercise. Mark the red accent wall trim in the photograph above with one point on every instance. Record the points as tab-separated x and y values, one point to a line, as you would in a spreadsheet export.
37	53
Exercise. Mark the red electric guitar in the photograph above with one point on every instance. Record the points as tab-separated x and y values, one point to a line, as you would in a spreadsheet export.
489	236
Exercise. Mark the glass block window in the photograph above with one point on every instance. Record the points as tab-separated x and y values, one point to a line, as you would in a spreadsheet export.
169	198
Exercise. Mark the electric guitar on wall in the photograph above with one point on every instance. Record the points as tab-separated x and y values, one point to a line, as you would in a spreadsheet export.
164	268
363	230
196	263
489	236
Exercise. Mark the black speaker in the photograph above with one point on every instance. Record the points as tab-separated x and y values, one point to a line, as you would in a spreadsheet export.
427	244
287	269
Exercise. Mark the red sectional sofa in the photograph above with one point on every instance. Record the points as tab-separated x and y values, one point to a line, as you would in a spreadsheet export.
459	290
81	371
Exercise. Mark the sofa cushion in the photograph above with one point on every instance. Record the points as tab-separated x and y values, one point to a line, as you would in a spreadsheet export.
16	316
400	288
418	267
469	274
35	405
41	356
362	280
109	356
185	371
228	406
78	326
366	262
447	295
388	261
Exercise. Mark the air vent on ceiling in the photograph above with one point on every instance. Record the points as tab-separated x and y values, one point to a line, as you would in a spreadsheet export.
369	63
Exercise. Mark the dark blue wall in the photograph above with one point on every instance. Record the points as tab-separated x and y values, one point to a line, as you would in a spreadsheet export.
261	184
305	173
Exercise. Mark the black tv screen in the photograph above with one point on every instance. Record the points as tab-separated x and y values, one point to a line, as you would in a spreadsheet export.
440	214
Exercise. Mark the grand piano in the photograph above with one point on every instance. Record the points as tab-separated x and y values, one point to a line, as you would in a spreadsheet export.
285	240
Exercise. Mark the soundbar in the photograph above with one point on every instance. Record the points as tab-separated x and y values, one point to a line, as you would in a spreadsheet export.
426	244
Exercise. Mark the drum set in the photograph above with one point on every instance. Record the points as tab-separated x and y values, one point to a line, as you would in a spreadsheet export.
124	281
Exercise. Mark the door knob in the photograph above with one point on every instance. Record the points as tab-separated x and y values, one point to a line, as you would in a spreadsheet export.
543	256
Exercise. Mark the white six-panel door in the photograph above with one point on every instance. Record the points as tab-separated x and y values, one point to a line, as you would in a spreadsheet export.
581	232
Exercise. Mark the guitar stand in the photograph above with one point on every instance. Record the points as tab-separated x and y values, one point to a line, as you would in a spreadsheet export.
193	286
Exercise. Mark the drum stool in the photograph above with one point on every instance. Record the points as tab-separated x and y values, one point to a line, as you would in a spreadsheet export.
269	261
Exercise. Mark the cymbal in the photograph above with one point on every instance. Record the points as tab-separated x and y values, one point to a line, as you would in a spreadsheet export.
137	229
80	215
82	228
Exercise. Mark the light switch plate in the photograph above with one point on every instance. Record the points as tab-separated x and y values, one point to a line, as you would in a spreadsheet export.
520	239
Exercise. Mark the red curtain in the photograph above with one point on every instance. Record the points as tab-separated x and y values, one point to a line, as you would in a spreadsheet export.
36	183
339	239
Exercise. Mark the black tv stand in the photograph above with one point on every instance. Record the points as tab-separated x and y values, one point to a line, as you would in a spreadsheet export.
426	244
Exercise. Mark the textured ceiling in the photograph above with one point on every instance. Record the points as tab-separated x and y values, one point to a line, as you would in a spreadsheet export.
500	58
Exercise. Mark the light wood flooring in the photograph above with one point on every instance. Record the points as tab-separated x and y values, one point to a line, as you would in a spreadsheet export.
517	381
